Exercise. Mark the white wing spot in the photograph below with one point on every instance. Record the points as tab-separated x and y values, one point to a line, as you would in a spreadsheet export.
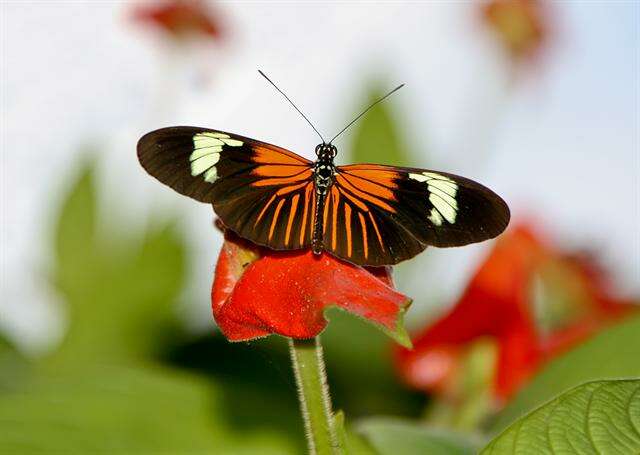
435	217
207	148
442	195
211	175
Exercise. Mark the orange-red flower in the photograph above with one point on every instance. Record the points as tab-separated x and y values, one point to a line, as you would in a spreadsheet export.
258	292
520	25
181	18
499	305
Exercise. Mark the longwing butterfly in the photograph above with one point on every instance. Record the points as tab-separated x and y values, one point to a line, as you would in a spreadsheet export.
367	214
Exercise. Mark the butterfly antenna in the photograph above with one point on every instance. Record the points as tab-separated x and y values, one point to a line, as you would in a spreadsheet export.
365	111
294	106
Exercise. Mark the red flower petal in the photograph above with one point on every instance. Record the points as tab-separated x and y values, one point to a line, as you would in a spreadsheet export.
286	293
498	304
180	18
495	304
520	25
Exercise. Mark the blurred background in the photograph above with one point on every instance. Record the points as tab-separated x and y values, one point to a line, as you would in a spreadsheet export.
106	274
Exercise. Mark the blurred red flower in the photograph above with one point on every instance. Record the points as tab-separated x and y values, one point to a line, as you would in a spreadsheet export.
180	18
521	26
499	304
258	292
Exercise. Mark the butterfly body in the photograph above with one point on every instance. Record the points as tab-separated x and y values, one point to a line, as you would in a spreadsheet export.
324	171
367	214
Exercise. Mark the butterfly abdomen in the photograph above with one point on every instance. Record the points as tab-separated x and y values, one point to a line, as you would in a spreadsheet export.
323	172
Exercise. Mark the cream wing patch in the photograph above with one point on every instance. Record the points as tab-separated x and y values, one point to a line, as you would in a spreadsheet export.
442	195
207	148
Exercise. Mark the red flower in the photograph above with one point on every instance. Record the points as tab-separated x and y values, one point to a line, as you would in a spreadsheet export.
498	304
520	25
258	292
180	18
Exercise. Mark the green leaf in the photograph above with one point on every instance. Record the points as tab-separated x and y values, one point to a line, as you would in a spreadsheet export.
398	437
14	368
613	353
119	287
360	369
350	443
119	410
597	417
377	137
75	228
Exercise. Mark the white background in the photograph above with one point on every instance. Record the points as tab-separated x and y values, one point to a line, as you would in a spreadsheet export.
561	144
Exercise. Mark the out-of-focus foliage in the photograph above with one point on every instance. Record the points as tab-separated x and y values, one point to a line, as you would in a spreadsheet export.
613	353
13	366
597	417
119	287
376	137
360	370
106	388
350	442
134	409
399	437
501	332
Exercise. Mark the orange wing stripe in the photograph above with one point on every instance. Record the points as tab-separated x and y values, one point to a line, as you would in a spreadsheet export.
375	228
292	214
284	180
341	180
289	189
363	225
352	168
347	216
372	186
264	155
264	209
361	205
381	176
334	224
275	170
305	212
275	218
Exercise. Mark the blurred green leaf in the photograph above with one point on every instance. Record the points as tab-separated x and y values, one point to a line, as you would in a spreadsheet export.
259	390
398	437
351	443
597	417
119	287
104	390
377	137
613	353
119	410
14	368
360	369
76	225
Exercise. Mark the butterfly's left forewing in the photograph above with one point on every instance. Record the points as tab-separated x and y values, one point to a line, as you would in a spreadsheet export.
261	191
380	215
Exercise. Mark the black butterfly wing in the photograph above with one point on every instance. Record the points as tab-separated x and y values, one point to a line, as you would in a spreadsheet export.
262	192
381	215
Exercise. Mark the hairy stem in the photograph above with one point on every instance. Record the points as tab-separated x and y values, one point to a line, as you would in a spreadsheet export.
313	393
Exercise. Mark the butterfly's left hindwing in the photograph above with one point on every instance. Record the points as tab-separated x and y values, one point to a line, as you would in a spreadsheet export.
381	215
261	191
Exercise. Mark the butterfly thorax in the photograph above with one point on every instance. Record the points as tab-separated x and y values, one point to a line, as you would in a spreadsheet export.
323	172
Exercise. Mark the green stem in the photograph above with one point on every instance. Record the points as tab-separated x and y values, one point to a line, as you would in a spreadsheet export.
313	393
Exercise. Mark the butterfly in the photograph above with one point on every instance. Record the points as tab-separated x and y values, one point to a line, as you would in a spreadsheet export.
366	214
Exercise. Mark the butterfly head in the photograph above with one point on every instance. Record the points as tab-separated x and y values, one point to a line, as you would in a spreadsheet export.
326	151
